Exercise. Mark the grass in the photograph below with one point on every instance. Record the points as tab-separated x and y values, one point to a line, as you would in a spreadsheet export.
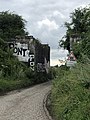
24	78
70	96
9	85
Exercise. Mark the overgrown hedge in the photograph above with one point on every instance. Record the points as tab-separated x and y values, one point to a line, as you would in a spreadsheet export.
15	74
70	96
23	76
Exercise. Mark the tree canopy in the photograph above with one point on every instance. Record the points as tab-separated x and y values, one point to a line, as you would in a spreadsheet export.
79	29
11	25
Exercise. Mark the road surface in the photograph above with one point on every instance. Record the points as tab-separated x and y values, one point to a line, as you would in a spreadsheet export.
24	105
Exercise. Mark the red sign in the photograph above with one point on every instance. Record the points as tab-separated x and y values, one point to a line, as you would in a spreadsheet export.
71	61
71	56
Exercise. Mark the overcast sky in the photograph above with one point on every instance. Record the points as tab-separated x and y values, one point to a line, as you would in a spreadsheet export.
45	19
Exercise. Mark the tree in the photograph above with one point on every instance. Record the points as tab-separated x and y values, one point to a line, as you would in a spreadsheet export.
86	44
78	29
3	51
11	25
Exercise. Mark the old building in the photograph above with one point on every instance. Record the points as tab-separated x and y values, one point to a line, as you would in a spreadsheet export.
30	51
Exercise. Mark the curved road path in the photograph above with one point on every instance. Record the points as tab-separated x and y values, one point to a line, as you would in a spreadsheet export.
24	105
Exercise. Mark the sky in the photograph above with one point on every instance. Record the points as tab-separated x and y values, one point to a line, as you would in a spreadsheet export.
45	20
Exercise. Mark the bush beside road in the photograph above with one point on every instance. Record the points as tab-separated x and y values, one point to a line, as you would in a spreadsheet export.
70	97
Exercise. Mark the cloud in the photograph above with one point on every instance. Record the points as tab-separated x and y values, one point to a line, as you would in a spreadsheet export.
54	62
59	54
57	13
45	19
56	55
51	25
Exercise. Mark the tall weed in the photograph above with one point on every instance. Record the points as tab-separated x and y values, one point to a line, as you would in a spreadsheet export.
70	96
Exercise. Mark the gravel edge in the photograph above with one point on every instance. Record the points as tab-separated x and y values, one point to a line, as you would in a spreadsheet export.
44	106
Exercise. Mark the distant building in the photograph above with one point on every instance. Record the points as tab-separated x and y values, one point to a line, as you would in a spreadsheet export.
31	51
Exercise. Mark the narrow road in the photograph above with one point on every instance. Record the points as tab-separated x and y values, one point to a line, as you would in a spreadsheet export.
24	105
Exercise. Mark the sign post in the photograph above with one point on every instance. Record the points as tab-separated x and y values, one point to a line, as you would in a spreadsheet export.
71	61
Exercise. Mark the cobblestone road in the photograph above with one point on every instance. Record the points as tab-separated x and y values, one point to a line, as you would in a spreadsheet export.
24	105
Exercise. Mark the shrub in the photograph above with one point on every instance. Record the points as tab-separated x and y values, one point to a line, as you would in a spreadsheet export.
70	96
52	73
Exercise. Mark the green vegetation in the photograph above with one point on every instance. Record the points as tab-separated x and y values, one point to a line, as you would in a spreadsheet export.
78	29
15	74
11	25
70	96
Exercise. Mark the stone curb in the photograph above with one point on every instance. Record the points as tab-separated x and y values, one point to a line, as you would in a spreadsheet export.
44	106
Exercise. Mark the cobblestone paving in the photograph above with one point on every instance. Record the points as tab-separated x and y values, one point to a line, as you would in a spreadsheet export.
24	105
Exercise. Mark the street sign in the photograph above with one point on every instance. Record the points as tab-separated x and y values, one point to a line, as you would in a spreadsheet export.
71	61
